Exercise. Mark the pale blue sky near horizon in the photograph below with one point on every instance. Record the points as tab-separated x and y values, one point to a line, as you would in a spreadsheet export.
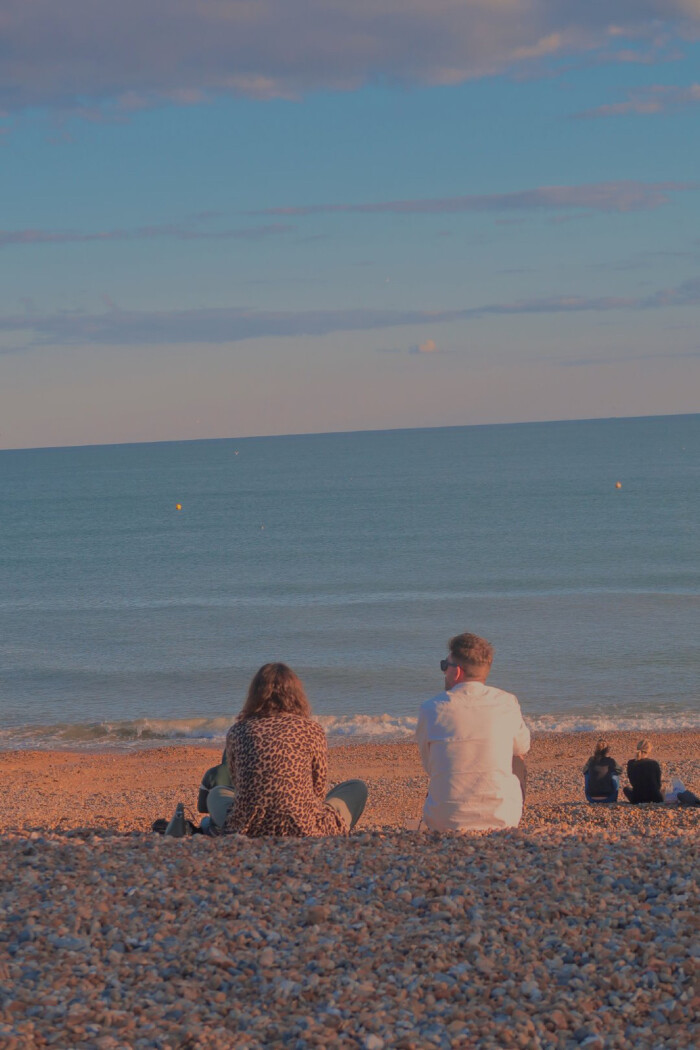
355	216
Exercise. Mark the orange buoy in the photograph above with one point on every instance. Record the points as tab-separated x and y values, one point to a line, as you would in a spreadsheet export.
618	484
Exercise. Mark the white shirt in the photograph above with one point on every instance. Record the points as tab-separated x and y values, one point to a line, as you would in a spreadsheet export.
467	737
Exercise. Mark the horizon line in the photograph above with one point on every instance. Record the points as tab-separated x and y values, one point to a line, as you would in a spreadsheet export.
338	433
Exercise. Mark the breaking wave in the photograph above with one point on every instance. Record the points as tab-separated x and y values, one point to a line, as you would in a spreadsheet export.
340	729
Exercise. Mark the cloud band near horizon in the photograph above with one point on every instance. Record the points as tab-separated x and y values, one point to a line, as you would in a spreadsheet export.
229	325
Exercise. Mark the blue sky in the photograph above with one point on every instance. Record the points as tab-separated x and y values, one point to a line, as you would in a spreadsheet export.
263	217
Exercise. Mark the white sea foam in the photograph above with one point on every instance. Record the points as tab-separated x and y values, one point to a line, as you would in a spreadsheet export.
578	723
98	735
340	729
353	729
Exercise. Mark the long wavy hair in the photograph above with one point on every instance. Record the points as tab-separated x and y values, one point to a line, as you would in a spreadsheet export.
275	690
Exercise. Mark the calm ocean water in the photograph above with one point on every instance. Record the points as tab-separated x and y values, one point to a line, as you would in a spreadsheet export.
353	557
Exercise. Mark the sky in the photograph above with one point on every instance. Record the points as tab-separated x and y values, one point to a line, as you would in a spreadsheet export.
222	218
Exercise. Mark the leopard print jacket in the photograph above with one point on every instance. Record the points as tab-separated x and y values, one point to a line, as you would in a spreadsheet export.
278	768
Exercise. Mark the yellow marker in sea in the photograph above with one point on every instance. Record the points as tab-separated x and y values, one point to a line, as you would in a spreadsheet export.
618	484
178	506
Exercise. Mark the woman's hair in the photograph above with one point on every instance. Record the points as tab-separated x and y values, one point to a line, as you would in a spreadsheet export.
601	748
275	690
643	748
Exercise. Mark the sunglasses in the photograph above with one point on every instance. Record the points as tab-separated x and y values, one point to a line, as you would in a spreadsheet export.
444	664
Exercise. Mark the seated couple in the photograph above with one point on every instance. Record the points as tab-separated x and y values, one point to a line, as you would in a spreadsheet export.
602	776
471	739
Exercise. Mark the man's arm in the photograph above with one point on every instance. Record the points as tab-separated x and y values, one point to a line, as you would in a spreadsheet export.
521	740
422	740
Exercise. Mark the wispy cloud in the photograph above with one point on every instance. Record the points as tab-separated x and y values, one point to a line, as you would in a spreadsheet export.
139	53
566	202
684	294
132	328
229	325
621	196
168	231
658	98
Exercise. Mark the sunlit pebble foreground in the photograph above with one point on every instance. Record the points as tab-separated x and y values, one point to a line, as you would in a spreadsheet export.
578	929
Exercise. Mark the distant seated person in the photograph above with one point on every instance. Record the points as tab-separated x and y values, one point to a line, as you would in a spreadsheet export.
644	775
277	759
471	739
601	775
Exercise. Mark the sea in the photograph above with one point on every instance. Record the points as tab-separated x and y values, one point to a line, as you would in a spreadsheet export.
142	585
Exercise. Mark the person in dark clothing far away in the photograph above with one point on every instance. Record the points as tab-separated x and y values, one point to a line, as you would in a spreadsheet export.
602	775
644	775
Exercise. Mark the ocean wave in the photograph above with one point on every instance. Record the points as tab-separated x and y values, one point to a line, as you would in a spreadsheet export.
355	729
116	734
649	722
340	729
151	731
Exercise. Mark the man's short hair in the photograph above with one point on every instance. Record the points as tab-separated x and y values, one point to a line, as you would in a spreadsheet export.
469	650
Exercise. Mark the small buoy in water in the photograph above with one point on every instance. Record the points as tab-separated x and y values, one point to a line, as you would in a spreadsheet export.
178	506
262	526
618	484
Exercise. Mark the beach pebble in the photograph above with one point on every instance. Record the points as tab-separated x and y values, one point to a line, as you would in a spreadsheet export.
217	957
317	913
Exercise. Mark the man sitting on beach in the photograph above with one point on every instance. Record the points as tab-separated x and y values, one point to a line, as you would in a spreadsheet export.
471	738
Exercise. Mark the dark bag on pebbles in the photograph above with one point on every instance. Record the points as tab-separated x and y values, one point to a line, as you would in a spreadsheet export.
179	827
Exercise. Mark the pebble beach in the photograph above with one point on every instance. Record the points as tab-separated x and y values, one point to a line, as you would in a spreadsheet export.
579	928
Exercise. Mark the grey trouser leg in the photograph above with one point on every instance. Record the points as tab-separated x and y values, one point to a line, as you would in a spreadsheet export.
348	799
219	802
520	771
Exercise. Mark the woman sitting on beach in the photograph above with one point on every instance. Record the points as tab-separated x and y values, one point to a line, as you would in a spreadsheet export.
644	775
602	775
278	763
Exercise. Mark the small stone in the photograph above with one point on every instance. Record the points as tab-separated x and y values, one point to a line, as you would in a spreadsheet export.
316	914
